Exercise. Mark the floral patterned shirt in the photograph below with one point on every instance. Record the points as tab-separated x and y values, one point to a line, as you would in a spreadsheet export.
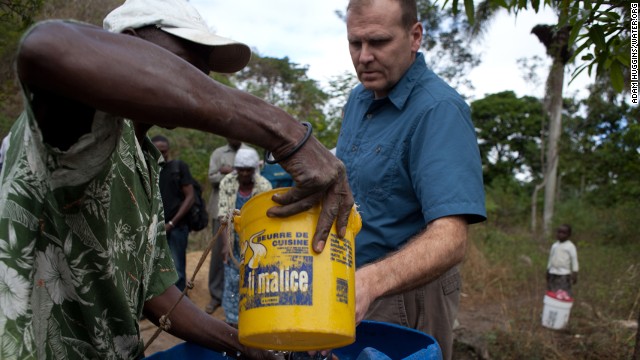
82	242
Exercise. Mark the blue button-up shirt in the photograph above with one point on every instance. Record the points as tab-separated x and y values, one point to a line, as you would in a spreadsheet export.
411	158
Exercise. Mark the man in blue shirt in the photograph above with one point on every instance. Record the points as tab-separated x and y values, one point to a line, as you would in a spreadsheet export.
415	172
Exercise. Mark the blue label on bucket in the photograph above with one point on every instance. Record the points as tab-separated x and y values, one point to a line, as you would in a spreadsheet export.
279	284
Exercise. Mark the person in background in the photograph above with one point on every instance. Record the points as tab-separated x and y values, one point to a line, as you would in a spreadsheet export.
176	188
83	249
562	267
414	167
220	164
235	190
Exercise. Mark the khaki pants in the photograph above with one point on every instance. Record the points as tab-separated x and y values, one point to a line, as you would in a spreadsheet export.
431	308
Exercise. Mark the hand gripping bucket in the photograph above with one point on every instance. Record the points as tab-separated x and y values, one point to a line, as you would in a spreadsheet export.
292	298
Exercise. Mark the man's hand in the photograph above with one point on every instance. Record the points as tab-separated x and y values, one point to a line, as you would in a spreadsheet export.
225	169
319	177
364	295
574	278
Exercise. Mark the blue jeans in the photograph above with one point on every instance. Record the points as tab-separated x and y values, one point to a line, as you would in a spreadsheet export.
178	239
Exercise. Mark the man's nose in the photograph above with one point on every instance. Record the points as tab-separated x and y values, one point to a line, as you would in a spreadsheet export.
366	54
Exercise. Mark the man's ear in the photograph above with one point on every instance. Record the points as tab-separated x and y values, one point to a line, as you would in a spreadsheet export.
416	36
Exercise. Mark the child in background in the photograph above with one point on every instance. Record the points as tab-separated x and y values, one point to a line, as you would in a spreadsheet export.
562	269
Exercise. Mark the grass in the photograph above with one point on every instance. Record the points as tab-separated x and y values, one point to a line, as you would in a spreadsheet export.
507	267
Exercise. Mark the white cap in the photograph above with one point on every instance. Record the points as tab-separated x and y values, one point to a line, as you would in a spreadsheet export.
246	158
179	18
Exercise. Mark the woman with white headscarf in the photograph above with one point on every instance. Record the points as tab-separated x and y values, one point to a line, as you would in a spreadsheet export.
236	188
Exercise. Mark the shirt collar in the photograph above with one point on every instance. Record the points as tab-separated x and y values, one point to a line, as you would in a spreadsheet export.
400	93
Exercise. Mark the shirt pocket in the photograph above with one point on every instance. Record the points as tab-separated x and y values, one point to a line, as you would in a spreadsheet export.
381	164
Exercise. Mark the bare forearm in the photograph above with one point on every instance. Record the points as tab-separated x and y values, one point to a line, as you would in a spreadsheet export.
427	256
193	325
127	76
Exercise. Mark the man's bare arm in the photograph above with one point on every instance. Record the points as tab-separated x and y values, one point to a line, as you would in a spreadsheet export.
427	256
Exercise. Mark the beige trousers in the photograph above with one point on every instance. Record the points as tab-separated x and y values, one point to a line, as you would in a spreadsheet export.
430	308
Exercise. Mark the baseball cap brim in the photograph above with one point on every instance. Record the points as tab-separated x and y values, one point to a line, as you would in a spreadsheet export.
181	19
227	56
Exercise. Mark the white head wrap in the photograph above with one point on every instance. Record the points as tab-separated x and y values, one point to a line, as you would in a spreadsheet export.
246	158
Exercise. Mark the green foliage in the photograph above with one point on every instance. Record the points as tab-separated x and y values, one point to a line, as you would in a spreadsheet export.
286	85
446	44
600	151
338	91
509	130
17	15
507	202
600	31
15	18
598	159
609	225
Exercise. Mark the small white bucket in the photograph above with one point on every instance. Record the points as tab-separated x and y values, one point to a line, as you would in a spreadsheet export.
555	314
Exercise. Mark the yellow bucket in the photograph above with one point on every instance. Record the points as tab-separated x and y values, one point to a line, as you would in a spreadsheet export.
292	298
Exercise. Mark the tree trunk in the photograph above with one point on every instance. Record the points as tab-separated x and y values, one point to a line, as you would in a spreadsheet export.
555	84
534	212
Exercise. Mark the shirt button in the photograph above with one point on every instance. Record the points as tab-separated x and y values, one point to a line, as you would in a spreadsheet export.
354	148
369	116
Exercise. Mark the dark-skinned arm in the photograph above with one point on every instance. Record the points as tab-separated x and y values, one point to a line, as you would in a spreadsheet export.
133	78
190	323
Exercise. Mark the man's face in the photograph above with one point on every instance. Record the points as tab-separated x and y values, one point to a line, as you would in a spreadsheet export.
562	233
163	147
381	48
245	175
234	144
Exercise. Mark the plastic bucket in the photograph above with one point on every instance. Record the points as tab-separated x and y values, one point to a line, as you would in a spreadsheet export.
394	341
292	298
555	314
